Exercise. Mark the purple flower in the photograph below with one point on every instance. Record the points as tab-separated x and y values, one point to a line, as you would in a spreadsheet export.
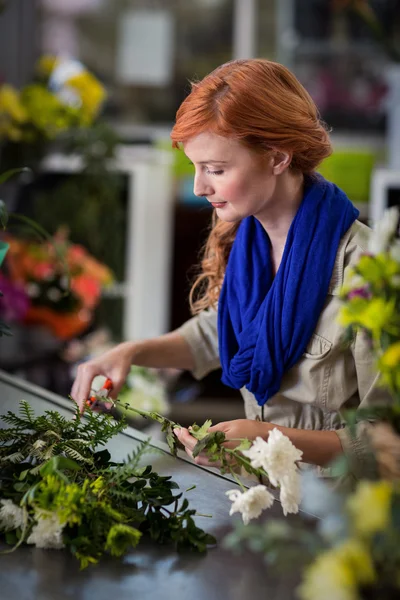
14	302
361	292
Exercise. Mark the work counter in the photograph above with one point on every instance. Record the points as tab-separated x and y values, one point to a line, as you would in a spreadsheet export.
150	571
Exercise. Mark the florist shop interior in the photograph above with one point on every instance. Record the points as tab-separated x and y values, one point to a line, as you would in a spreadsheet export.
101	240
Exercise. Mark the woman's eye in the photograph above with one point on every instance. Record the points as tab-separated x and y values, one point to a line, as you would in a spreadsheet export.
209	172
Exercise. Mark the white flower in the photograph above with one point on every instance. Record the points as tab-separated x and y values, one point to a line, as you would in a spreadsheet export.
277	456
258	453
33	290
47	533
54	294
11	515
290	494
395	251
250	503
384	230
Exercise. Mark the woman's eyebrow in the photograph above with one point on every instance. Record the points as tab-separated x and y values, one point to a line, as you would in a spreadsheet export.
215	162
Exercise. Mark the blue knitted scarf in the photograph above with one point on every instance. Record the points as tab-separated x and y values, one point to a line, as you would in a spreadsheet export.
265	323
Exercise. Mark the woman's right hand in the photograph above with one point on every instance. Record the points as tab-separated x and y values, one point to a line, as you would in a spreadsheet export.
114	364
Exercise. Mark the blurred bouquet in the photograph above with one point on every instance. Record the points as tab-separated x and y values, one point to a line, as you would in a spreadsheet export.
64	96
61	280
360	557
371	299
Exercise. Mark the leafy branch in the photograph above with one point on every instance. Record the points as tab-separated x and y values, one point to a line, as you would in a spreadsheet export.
212	444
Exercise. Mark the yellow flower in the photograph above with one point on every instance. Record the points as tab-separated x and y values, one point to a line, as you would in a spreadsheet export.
97	485
375	315
369	507
12	113
329	578
377	269
356	555
391	358
46	64
91	93
336	574
389	366
11	105
46	112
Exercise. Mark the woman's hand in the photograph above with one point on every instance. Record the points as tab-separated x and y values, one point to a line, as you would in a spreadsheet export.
114	364
234	431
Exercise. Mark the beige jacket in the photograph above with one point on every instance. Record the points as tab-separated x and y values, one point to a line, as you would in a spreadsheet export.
326	380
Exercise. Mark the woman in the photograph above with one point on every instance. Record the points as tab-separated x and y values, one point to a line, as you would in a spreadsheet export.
267	297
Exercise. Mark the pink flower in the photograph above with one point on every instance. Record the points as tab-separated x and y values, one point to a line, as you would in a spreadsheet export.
361	292
15	302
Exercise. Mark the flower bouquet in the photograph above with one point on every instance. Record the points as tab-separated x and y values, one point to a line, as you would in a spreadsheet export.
58	489
371	300
64	96
62	281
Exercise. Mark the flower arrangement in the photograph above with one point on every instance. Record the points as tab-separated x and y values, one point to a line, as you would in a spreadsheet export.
61	281
371	298
59	490
64	96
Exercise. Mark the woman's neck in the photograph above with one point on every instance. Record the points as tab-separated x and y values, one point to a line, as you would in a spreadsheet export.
284	205
282	209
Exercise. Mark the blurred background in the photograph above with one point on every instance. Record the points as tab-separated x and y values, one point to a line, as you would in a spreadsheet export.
88	95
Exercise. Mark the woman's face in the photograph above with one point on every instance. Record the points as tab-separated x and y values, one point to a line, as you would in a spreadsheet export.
234	180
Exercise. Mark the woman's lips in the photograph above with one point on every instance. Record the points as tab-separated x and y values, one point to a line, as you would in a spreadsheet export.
218	204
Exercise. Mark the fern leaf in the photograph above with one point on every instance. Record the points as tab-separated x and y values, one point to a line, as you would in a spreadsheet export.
27	412
16	457
75	455
49	453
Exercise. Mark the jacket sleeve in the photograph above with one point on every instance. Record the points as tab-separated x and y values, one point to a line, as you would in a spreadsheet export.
201	334
355	440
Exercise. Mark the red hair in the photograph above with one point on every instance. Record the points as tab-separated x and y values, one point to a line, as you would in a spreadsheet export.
262	105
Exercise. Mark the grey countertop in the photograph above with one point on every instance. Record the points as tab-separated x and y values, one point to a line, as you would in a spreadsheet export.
150	571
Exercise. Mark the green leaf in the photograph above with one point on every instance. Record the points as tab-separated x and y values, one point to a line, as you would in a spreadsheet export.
3	215
244	445
56	463
200	432
11	172
217	438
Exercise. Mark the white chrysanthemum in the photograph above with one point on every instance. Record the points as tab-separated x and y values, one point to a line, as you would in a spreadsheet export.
11	515
47	533
278	456
250	503
383	231
258	453
290	493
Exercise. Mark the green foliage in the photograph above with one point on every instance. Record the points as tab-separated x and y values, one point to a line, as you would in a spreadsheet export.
52	467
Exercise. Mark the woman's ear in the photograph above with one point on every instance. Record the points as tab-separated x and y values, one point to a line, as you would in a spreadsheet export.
282	161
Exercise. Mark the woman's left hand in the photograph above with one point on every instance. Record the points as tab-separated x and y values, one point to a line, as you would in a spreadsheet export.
234	430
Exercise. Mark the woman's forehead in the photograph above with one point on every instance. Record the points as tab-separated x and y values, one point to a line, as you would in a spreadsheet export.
211	147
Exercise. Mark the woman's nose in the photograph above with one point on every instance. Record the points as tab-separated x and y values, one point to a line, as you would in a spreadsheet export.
201	187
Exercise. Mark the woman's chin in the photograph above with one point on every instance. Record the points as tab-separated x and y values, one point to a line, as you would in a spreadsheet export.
227	215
